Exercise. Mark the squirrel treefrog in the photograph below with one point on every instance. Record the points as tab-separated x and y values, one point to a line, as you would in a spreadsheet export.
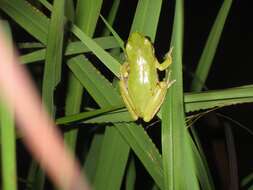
140	87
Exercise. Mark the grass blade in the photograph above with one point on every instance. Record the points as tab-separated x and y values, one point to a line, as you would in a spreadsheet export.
210	47
91	161
71	49
114	157
8	147
131	175
70	10
111	17
106	58
7	136
81	66
176	148
89	14
145	149
100	147
52	70
46	4
84	115
116	36
30	18
146	17
232	158
218	98
30	45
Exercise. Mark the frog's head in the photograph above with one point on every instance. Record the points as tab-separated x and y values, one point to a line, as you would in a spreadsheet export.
138	45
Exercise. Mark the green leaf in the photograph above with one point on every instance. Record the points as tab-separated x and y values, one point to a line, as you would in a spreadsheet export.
86	19
46	4
131	175
98	86
30	45
84	115
218	98
111	16
71	49
91	161
116	36
204	176
52	69
146	17
111	160
145	149
178	164
88	13
208	53
70	10
105	57
100	148
30	18
7	136
111	117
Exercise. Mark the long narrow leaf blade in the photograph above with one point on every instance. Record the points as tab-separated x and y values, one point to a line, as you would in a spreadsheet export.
178	164
218	98
207	56
52	70
31	19
7	135
86	20
146	17
71	49
106	58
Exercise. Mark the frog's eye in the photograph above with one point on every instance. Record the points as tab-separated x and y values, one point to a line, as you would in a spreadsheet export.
148	38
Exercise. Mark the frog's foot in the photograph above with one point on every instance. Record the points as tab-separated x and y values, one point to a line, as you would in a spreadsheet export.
168	55
169	83
127	99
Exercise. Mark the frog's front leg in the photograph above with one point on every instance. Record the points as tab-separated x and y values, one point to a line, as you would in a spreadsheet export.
167	62
156	100
124	91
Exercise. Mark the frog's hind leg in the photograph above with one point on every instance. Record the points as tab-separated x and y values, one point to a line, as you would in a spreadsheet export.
124	92
156	100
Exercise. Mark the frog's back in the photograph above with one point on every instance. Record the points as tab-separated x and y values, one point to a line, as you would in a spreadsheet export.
142	78
141	85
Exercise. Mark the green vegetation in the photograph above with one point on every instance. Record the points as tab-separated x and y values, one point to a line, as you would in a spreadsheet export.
86	69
